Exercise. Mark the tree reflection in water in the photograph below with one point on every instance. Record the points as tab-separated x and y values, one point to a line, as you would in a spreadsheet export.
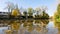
29	25
57	25
35	24
41	24
15	25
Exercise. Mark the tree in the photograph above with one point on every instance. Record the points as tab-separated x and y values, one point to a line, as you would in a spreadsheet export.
45	15
10	6
25	14
38	12
57	14
15	12
30	11
57	17
58	8
41	13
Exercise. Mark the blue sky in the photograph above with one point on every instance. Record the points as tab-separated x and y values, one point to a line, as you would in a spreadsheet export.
51	4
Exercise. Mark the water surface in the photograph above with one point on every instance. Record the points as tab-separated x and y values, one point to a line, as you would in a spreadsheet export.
32	27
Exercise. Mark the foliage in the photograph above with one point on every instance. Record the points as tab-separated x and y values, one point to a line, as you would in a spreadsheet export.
37	11
30	11
45	15
14	11
58	8
25	13
57	17
40	13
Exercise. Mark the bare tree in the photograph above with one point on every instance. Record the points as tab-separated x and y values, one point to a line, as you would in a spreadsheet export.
10	6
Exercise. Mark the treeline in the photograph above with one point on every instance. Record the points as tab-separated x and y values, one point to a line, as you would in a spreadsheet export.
14	12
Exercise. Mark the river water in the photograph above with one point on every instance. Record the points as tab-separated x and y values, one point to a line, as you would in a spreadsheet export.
34	27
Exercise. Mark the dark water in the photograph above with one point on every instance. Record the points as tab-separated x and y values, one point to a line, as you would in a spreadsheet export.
31	27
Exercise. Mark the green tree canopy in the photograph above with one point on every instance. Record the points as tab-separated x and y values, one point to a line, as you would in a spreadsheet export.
57	17
30	11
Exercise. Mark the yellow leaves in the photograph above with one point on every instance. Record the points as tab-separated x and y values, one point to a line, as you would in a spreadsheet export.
38	29
30	29
15	26
15	12
27	24
8	32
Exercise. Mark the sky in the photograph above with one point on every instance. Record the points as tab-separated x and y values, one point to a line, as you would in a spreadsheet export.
51	4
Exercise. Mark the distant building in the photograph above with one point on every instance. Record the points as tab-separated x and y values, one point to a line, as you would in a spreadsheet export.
3	14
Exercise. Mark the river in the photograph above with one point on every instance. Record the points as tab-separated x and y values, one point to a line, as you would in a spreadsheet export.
34	27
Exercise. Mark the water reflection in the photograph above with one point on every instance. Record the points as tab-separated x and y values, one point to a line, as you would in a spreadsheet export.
28	26
31	27
57	25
